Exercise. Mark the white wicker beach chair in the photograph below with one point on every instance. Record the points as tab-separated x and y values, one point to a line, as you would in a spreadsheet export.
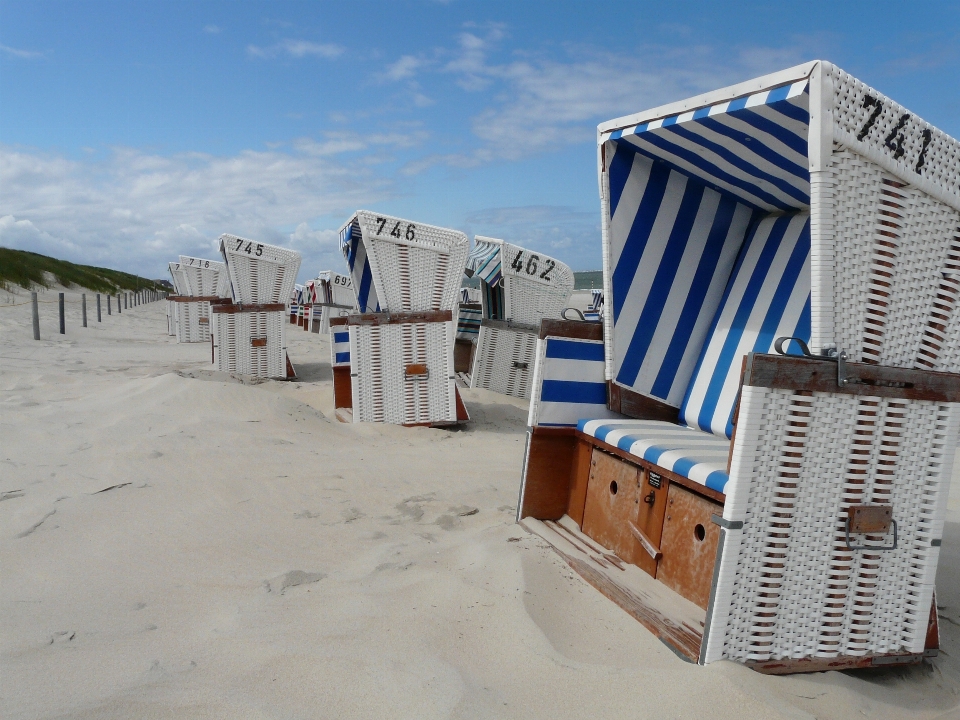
249	334
406	277
519	288
780	510
172	305
199	284
335	298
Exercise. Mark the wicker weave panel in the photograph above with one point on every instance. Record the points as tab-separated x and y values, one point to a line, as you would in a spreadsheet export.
915	151
896	256
234	352
379	355
204	277
193	321
788	587
498	354
259	279
415	274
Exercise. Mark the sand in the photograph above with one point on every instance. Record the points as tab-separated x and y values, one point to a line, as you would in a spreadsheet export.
175	543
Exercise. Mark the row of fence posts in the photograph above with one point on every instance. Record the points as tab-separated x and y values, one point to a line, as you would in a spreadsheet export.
130	299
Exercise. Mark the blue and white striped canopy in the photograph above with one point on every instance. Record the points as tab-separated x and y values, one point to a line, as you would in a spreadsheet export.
753	148
484	261
355	253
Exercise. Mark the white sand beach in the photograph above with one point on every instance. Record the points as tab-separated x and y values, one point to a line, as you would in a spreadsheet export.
176	543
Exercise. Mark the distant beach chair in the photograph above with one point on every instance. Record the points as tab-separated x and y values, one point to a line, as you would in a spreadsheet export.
296	298
199	283
594	311
178	288
519	288
406	278
249	334
335	298
741	496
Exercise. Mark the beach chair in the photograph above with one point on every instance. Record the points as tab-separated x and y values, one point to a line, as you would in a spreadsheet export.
469	314
172	315
760	471
594	311
518	289
406	277
295	300
249	333
335	298
200	283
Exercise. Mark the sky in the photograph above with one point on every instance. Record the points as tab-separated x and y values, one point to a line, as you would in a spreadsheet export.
132	132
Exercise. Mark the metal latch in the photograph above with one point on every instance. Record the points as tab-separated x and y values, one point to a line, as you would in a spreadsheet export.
828	353
870	520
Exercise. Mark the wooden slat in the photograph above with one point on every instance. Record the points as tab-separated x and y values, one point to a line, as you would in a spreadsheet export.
842	662
800	373
231	309
399	318
671	476
212	299
633	404
342	390
546	493
678	623
508	325
338	321
571	329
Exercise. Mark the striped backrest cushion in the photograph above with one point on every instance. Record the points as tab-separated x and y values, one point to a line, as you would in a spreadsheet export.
355	253
568	383
339	346
768	296
672	244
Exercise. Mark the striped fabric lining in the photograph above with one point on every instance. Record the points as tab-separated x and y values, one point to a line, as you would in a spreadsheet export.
351	244
673	243
468	323
768	296
753	147
695	455
572	384
340	348
484	261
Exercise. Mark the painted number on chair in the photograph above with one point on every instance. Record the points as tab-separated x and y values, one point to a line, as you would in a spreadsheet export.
397	231
249	248
197	262
529	264
341	280
893	141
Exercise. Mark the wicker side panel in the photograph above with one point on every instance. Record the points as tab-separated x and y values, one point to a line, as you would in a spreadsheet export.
172	315
235	352
193	322
504	361
788	587
382	392
896	262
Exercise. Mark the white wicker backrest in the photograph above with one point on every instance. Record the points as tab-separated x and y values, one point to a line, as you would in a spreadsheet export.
414	267
536	286
179	283
335	288
260	273
205	277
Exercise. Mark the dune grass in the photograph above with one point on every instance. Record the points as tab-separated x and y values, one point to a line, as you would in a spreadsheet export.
28	269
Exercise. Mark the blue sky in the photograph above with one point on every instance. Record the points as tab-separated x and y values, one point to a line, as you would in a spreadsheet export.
131	132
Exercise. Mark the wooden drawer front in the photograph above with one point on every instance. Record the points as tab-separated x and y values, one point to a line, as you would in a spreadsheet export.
613	494
689	544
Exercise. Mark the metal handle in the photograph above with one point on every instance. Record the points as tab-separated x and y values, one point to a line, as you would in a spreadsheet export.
846	530
563	314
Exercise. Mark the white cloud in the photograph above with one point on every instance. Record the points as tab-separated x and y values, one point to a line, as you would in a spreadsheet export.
23	54
405	67
135	211
211	29
297	49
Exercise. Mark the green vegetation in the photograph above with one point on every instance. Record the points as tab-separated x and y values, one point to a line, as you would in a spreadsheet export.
27	269
588	280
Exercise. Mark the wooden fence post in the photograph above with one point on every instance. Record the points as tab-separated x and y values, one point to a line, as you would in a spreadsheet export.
83	306
63	328
109	311
119	310
99	318
36	315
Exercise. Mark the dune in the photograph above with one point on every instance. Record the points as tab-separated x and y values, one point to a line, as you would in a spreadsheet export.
180	543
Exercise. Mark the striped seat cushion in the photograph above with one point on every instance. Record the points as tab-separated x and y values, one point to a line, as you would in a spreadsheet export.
468	323
767	296
699	456
572	384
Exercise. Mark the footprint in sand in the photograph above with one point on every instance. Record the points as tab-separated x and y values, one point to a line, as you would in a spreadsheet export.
294	578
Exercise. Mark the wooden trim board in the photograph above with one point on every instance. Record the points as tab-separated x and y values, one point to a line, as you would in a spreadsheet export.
677	622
